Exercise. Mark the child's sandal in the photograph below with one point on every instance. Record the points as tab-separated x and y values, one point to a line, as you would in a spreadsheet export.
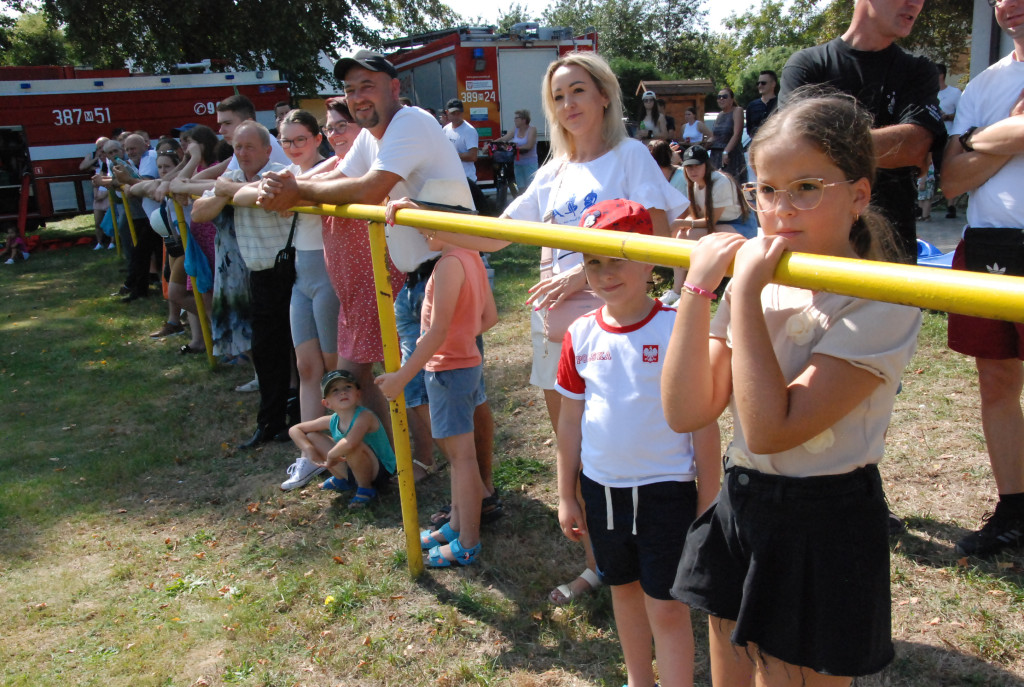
435	559
428	542
363	497
336	484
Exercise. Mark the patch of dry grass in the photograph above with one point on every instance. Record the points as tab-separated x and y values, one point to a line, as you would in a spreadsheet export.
158	555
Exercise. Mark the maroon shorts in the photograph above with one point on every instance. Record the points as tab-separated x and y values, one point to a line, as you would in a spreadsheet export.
979	337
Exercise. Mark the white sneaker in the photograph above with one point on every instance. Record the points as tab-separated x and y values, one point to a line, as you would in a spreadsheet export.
669	297
111	246
98	246
250	386
300	472
26	255
9	261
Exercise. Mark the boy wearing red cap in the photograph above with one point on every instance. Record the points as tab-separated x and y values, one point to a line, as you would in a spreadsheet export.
637	475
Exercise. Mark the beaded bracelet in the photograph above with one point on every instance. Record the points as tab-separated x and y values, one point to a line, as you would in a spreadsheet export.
698	291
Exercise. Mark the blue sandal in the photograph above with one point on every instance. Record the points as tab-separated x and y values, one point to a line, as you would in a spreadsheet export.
363	497
337	484
427	542
435	559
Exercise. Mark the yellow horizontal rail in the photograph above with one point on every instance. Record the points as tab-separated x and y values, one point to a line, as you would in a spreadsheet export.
968	293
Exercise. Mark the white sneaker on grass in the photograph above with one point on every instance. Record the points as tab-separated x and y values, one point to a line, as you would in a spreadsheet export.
300	472
250	386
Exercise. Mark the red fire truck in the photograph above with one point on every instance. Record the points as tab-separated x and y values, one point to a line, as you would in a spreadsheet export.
492	74
50	117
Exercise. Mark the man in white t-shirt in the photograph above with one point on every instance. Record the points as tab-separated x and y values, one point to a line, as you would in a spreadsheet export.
985	157
399	151
467	144
949	98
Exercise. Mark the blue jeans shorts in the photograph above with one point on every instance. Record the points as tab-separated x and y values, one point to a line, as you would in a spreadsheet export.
454	396
408	304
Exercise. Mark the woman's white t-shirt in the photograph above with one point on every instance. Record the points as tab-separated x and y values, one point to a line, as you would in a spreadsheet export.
308	228
562	190
723	195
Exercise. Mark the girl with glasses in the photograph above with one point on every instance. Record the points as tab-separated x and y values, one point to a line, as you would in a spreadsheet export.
792	561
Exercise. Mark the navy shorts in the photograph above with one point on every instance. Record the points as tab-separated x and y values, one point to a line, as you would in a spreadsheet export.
800	564
664	512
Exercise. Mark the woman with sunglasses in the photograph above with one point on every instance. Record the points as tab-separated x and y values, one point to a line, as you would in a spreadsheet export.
727	142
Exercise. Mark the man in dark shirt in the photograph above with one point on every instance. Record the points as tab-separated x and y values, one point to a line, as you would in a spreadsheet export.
759	109
898	89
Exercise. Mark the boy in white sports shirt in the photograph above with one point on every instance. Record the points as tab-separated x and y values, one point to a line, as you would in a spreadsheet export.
637	475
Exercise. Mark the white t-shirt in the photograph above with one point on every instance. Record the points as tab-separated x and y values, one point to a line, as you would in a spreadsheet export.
415	148
616	371
999	202
465	138
561	191
874	336
147	170
277	155
723	195
308	228
949	97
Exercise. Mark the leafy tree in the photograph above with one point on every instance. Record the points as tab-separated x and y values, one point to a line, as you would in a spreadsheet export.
515	14
239	34
33	41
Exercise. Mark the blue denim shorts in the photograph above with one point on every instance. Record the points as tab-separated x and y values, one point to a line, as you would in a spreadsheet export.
454	396
408	304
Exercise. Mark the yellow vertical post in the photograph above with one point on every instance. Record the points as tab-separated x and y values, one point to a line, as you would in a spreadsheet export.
125	190
197	295
113	222
399	421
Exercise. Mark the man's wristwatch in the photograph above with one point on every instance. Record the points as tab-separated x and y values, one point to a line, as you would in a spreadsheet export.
965	139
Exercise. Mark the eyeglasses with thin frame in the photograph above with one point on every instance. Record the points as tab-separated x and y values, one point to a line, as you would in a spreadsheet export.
298	142
339	128
804	194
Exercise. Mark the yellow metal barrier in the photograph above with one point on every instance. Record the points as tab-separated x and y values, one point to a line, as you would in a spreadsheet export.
197	295
113	222
399	419
125	190
968	293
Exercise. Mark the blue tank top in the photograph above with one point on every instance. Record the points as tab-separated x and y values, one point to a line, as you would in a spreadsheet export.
377	441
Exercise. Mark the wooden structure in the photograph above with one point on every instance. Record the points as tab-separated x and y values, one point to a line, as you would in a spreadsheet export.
679	95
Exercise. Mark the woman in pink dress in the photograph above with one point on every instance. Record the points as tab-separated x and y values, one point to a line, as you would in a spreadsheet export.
347	254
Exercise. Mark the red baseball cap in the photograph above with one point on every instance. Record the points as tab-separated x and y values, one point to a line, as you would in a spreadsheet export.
618	215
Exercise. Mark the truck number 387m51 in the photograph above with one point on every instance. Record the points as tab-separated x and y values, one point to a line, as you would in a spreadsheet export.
71	116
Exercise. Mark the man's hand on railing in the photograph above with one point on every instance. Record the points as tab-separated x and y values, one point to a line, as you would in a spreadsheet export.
278	191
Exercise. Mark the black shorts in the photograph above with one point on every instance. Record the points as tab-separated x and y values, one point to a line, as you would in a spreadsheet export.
800	564
664	512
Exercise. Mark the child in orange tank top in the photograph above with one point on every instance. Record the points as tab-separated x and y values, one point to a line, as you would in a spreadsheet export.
458	306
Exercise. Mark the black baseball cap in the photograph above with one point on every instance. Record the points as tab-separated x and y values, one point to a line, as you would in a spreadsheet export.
334	376
454	104
695	155
367	59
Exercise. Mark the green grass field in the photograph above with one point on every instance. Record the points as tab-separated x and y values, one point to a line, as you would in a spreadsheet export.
139	548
